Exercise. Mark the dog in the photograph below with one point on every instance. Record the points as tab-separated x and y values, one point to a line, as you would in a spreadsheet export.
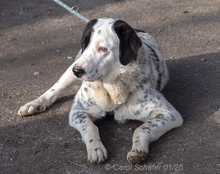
122	71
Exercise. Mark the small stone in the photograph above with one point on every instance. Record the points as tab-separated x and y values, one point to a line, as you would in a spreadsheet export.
163	18
37	73
69	57
203	59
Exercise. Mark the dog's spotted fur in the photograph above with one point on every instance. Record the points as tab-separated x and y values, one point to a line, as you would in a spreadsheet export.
123	72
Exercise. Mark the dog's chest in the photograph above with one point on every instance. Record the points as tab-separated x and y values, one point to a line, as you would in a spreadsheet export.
106	99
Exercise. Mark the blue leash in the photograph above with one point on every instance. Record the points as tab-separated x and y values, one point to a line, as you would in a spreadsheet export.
71	10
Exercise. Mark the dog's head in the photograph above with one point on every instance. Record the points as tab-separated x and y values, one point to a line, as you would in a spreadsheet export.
105	43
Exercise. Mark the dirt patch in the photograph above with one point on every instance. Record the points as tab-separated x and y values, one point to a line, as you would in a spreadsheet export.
36	37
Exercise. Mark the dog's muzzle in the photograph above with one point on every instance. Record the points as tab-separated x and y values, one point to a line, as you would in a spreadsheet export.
78	72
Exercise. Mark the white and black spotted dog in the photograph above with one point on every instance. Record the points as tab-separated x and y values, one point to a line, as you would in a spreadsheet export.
122	71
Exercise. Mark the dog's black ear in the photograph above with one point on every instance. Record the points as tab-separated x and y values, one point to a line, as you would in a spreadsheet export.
87	34
129	42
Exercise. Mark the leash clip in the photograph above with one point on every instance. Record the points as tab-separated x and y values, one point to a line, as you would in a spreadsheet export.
77	8
71	10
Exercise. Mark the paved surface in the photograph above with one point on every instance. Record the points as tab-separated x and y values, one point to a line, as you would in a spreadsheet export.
38	39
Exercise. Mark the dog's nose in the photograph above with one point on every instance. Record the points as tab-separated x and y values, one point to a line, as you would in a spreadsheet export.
78	72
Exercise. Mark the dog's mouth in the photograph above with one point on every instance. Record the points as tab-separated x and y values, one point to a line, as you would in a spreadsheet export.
90	78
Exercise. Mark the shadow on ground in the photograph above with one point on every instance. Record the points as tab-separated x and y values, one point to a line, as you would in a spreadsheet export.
40	10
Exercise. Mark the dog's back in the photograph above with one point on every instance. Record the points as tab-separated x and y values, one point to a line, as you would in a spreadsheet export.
153	52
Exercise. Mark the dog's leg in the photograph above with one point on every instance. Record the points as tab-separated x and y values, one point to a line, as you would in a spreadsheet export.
50	96
81	119
158	123
90	135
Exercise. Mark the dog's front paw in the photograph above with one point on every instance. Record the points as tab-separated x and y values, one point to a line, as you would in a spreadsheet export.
137	155
97	153
31	108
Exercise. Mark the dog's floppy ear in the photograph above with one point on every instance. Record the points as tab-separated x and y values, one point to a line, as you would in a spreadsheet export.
87	34
129	42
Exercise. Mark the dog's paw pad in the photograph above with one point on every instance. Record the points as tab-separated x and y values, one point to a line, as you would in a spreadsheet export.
136	156
31	108
97	155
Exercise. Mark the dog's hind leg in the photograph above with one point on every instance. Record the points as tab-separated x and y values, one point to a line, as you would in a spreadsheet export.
50	96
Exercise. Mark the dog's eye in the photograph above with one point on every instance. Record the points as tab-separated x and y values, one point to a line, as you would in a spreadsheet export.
102	49
83	45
